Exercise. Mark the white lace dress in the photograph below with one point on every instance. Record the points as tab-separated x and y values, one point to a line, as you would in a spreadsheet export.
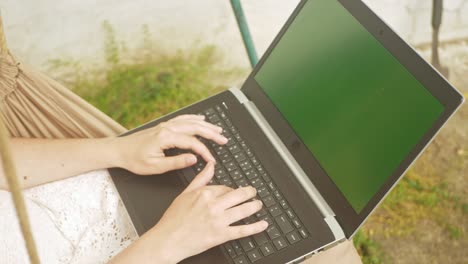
78	220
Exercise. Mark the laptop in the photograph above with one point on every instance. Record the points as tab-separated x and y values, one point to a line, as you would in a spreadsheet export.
335	112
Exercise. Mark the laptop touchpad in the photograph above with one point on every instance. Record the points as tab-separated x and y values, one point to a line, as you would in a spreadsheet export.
147	197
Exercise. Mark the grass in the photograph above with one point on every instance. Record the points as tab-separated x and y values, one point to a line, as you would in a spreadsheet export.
370	251
416	198
135	86
133	89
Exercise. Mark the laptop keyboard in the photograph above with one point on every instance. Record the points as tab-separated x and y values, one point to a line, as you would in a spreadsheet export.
238	166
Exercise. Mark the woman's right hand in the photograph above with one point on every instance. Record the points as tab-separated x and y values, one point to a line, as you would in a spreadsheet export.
197	220
201	217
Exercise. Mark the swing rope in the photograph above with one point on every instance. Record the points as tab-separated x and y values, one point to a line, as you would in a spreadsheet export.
14	186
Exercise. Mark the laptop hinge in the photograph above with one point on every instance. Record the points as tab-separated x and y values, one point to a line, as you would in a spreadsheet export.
298	172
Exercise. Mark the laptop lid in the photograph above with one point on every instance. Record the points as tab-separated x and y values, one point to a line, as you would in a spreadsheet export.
353	103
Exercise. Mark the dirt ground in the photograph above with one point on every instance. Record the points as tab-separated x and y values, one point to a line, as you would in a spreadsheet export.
440	234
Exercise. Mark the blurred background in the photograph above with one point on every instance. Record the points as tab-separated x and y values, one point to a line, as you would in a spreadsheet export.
137	60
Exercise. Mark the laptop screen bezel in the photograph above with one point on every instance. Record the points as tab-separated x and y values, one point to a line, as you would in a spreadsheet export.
436	84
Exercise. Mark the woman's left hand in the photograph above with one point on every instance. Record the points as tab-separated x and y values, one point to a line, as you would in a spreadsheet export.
143	152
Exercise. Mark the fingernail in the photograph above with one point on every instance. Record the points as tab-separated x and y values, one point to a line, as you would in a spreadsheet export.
191	159
202	116
225	140
265	224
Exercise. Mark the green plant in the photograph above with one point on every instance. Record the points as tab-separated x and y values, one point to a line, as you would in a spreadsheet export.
135	86
369	250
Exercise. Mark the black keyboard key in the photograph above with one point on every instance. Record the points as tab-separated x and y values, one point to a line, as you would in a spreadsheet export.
296	223
303	233
250	220
260	169
231	141
230	250
225	155
231	127
268	201
290	213
214	118
262	192
284	204
212	144
284	224
199	164
220	150
238	137
220	176
230	166
240	260
222	114
220	172
280	243
275	210
229	124
249	152
242	183
245	165
236	247
239	156
260	238
246	243
226	132
257	183
293	237
266	177
261	212
243	144
197	169
210	112
254	255
225	181
218	165
268	219
218	108
277	195
236	175
267	249
225	158
255	161
234	148
273	232
272	186
251	174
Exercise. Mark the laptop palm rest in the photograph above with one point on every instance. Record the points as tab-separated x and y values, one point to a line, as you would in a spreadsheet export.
146	198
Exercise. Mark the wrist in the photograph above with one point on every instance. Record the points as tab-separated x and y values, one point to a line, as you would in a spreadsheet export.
166	247
114	152
152	247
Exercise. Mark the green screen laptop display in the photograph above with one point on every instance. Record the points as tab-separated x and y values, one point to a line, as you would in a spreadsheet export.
358	110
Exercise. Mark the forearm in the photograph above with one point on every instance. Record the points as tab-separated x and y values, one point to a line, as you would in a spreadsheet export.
152	247
40	161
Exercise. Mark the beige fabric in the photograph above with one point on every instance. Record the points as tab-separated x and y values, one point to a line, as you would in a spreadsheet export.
35	106
3	44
